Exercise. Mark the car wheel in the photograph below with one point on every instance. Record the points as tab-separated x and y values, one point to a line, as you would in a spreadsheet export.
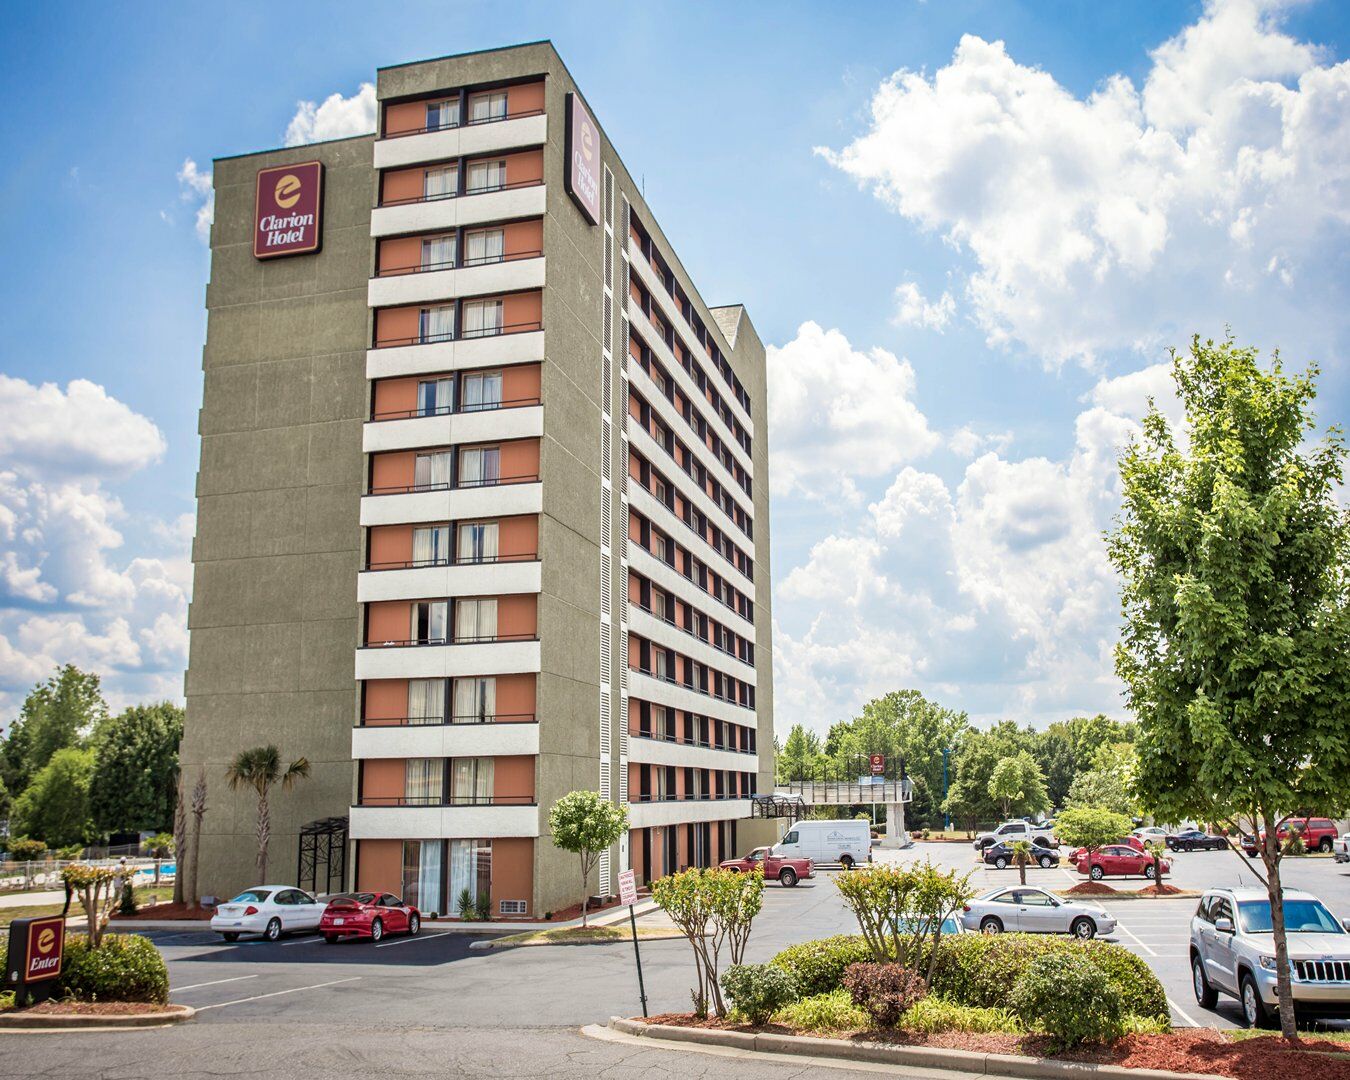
846	861
414	924
991	924
1254	1011
331	939
1083	928
1325	845
787	876
377	930
1046	862
273	931
230	937
1001	863
1149	871
1205	995
1096	873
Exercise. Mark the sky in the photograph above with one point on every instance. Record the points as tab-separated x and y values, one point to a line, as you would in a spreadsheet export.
968	233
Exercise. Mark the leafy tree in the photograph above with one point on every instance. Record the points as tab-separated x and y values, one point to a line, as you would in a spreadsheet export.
136	768
1067	747
902	724
55	716
1018	785
800	755
968	799
585	824
260	769
1090	827
1235	564
198	812
1101	788
22	849
922	811
55	805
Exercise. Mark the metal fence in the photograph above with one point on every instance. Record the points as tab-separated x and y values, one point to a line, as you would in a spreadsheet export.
45	874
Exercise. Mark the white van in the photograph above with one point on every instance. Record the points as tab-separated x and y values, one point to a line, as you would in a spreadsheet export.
839	843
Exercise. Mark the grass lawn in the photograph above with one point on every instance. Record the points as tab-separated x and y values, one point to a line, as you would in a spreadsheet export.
143	894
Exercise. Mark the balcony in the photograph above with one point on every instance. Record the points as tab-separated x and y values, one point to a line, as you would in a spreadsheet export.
664	632
662	691
407	429
646	815
515	272
438	213
643	749
497	818
439	659
649	566
529	128
411	580
509	496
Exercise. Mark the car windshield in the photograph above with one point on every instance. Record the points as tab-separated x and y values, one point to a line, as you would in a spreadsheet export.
1300	917
252	896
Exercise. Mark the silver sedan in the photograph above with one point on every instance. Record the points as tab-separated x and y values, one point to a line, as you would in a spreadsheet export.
1029	910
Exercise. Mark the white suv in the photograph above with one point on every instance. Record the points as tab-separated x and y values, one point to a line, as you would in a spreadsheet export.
1016	830
1233	952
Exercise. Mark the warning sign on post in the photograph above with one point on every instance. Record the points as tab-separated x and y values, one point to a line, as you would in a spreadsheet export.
627	887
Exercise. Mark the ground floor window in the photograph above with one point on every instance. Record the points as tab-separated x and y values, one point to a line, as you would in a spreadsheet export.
470	872
423	874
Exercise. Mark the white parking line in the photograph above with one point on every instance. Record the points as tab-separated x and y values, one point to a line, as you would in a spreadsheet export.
303	940
420	937
275	993
1122	927
1177	1009
213	982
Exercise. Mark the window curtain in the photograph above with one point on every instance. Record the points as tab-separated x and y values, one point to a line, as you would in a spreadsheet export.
426	701
443	114
484	107
429	875
484	246
478	542
475	620
479	466
438	323
440	183
483	391
429	622
471	781
470	868
423	781
432	470
482	317
431	545
438	252
486	176
435	396
475	700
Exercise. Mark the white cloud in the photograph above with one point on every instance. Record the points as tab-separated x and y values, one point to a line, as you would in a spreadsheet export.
1130	217
337	118
914	309
837	414
196	188
966	442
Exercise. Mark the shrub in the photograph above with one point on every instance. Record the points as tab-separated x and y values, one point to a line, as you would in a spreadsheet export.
828	1013
757	991
1294	845
465	906
1069	998
1146	1025
884	991
22	849
934	1015
483	908
975	969
817	967
125	967
127	904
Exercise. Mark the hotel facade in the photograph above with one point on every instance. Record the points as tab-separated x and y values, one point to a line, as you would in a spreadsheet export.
482	507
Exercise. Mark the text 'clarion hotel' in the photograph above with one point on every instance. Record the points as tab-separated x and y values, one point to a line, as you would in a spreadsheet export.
482	506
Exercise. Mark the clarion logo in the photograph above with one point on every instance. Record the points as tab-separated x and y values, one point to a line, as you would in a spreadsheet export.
287	230
288	210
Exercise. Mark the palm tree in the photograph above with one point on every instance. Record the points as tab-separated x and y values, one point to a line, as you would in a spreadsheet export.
260	769
1021	857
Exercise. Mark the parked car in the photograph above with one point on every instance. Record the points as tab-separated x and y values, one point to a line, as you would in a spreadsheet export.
1151	833
269	910
1340	848
1016	830
844	843
1319	834
1035	911
1233	952
1127	841
1120	860
1000	855
1195	840
785	871
368	914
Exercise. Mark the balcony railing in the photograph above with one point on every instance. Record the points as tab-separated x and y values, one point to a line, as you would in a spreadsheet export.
405	489
685	630
476	639
464	335
452	410
686	797
447	800
463	123
452	560
481	189
447	721
451	264
689	686
676	741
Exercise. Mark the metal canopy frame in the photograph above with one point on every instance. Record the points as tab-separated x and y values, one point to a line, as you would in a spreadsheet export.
323	841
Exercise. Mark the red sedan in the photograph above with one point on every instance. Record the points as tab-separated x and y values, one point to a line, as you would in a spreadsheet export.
785	871
368	915
1119	860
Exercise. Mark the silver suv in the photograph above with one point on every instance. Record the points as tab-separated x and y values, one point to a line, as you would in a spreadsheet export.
1233	952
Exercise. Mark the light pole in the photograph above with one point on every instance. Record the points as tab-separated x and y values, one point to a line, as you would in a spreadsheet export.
946	817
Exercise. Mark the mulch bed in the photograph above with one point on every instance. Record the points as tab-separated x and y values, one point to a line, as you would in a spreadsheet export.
92	1008
574	912
1203	1050
166	911
1090	888
1161	889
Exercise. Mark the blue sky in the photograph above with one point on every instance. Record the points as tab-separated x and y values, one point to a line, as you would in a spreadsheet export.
1003	240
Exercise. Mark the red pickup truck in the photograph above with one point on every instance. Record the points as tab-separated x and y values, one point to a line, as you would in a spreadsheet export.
1318	834
785	871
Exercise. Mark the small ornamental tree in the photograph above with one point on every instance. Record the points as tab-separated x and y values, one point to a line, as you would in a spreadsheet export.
198	812
261	769
1155	850
179	836
1018	785
22	849
1021	857
1090	827
585	824
99	889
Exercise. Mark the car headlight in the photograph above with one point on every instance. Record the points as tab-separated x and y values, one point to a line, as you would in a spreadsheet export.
1268	962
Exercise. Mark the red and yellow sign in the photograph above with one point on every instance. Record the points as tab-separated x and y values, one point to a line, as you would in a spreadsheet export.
288	210
583	159
42	949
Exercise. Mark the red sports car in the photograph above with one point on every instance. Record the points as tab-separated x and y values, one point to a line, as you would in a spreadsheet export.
369	915
787	871
1119	860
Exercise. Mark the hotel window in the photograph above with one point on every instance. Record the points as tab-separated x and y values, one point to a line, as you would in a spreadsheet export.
422	874
485	176
487	106
478	542
423	781
432	471
479	466
471	781
442	114
438	253
437	324
661	665
470	872
435	397
441	183
484	246
482	390
429	621
475	700
482	318
426	701
476	620
431	545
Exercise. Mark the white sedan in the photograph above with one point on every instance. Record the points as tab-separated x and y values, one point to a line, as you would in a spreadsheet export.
1020	908
1151	834
269	910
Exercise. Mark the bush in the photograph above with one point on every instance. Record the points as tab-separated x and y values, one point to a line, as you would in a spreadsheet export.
1146	1025
884	991
1069	998
976	969
757	991
827	1013
127	904
125	967
817	967
1294	845
22	849
934	1015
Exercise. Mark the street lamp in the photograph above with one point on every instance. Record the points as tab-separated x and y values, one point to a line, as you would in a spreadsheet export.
946	817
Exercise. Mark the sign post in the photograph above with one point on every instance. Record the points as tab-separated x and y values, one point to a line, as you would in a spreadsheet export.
34	958
628	895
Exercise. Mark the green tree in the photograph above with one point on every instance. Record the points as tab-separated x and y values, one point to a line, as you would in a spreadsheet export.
56	715
968	799
1109	782
260	769
55	806
902	724
1235	564
136	768
1018	785
1066	748
585	824
1090	827
800	755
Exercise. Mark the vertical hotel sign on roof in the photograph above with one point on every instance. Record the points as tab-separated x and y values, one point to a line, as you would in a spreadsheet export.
583	159
288	210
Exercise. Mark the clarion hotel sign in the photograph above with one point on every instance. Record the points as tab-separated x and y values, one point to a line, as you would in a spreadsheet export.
583	160
288	210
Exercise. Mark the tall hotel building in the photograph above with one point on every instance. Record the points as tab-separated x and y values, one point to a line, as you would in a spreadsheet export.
482	506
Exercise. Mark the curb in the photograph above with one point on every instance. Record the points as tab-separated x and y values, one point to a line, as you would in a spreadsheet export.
173	1014
504	943
927	1057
